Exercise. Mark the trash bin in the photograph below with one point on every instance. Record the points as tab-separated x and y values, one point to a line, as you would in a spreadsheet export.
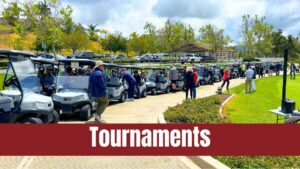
288	106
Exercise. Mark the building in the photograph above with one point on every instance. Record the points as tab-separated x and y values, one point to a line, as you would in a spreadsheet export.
204	51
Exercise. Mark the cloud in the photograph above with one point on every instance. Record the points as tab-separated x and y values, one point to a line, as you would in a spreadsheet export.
129	16
186	9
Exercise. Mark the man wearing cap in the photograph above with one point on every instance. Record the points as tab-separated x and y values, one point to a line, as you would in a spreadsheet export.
97	89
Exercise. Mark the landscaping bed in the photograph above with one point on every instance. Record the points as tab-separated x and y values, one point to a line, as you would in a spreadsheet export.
206	110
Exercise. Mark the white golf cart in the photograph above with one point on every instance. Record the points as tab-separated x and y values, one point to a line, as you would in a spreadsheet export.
71	97
22	85
157	80
116	89
141	92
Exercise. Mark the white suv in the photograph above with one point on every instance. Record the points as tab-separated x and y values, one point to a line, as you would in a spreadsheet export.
190	58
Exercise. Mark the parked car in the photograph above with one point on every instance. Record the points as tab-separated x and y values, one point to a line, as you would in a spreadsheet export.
84	55
49	56
146	58
189	57
99	56
121	56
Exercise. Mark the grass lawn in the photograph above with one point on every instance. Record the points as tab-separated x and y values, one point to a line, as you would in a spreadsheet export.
254	107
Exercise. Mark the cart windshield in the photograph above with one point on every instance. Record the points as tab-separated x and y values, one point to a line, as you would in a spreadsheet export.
26	73
73	82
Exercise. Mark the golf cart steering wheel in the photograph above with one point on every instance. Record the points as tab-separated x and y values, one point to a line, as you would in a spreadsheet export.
10	81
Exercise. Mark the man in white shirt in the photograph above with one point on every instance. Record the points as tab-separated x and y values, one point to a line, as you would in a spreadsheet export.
249	76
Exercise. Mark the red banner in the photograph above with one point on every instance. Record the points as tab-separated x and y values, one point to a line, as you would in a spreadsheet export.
149	139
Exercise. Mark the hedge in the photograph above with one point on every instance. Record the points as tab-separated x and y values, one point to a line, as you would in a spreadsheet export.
205	110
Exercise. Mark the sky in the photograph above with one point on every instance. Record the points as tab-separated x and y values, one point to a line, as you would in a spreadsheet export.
128	16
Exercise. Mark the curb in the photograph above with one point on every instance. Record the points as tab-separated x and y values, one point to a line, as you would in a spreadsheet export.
200	161
224	103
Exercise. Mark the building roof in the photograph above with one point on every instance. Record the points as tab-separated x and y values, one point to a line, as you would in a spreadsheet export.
191	48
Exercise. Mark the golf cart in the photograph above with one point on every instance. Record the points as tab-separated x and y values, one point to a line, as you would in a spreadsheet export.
21	93
203	76
71	96
142	92
235	70
180	83
116	89
217	72
157	80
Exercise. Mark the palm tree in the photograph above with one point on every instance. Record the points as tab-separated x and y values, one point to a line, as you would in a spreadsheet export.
92	31
104	31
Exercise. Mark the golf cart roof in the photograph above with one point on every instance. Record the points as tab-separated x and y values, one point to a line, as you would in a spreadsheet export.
130	67
16	52
80	61
44	61
155	68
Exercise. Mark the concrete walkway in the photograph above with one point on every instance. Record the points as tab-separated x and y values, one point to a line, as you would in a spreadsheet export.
140	111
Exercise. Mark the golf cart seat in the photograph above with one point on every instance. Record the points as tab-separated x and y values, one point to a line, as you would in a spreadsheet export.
113	82
6	104
161	79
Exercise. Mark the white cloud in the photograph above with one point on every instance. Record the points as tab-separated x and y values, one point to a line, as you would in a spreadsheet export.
131	15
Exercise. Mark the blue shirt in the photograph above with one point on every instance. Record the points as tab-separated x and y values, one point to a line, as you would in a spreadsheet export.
97	86
249	73
129	78
47	80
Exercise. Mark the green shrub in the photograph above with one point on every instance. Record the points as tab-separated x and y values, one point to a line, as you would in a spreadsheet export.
205	110
251	60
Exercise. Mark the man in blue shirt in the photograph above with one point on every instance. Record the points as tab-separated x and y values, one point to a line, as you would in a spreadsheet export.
97	89
131	83
47	81
249	76
278	68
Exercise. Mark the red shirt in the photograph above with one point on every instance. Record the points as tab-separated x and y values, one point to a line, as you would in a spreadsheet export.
195	75
226	74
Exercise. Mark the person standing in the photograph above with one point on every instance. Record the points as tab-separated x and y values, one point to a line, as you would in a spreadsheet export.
253	87
225	78
97	89
131	83
249	75
278	68
189	83
293	71
138	80
173	77
243	70
195	75
261	71
211	76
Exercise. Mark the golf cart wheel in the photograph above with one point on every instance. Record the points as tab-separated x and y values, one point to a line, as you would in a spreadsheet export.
55	117
154	92
144	94
123	98
168	90
85	112
32	120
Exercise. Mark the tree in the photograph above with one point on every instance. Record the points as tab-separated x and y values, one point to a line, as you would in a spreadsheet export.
263	37
12	13
257	37
76	39
294	48
279	43
214	37
151	38
92	32
136	43
115	42
45	18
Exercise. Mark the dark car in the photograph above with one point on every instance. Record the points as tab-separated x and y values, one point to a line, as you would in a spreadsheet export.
84	55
